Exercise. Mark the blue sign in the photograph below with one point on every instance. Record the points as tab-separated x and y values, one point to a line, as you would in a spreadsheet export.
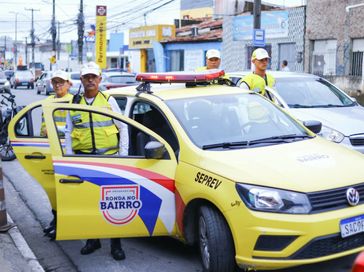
275	24
259	37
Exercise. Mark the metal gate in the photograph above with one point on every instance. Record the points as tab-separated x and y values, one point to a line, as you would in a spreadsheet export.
287	51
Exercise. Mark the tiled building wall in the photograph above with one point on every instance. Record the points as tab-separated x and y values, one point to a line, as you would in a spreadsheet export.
234	53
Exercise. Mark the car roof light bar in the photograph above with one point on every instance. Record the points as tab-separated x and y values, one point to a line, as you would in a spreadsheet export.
181	77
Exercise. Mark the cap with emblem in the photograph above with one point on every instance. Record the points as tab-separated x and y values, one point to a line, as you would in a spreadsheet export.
213	53
259	54
60	74
90	68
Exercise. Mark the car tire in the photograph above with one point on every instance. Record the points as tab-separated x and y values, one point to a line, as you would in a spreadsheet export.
15	86
215	241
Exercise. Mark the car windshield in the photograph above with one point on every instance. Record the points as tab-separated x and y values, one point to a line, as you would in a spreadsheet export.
121	79
235	121
310	93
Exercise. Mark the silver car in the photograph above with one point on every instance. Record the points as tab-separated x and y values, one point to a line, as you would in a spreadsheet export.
310	97
43	85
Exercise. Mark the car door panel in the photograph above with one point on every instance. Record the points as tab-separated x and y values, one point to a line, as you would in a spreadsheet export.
108	196
32	150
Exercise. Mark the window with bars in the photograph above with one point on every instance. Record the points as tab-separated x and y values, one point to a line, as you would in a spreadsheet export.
357	64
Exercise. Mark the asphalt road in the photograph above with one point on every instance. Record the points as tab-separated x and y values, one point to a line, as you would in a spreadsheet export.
28	206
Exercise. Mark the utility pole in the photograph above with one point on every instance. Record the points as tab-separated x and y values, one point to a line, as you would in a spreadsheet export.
15	42
257	13
26	50
33	38
81	29
58	41
53	31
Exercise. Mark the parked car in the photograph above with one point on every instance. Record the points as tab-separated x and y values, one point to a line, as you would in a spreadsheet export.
4	82
9	74
211	165
76	83
308	97
116	79
22	78
44	85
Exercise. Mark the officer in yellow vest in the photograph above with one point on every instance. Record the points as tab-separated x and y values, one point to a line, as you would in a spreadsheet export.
61	84
259	78
213	60
96	135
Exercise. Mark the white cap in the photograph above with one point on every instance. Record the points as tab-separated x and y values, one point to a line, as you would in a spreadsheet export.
259	54
213	53
90	68
61	74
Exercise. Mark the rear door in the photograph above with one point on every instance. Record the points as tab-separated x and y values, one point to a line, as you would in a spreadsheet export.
31	149
100	196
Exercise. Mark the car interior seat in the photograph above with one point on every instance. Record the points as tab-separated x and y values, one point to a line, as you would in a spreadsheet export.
260	123
156	122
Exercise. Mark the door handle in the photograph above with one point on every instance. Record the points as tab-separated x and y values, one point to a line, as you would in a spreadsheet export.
71	181
38	157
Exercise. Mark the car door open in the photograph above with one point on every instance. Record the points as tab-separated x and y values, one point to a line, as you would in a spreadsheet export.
100	196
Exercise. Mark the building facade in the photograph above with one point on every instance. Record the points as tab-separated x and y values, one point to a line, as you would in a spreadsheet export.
284	35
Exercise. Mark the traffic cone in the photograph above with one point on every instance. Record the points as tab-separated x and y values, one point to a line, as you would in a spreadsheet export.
4	226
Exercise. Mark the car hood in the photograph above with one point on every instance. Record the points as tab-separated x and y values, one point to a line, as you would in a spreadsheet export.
347	120
305	166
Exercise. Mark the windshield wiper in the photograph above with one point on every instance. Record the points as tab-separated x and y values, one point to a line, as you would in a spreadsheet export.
280	138
299	106
336	106
225	145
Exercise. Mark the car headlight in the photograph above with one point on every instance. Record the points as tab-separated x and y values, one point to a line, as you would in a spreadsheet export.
331	134
7	84
267	199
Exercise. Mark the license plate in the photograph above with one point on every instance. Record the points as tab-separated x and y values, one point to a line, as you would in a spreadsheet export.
351	226
24	83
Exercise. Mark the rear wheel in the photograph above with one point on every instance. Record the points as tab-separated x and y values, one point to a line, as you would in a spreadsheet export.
7	152
215	240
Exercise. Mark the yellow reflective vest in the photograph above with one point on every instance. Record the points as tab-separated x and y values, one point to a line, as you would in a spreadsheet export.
94	133
200	69
257	83
59	116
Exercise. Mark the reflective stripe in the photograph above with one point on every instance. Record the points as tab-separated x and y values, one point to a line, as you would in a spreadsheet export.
59	119
95	124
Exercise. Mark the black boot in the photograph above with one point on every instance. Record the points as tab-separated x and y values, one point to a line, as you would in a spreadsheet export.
116	251
91	246
50	231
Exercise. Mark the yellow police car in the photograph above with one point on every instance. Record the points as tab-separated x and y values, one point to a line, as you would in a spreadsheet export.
208	164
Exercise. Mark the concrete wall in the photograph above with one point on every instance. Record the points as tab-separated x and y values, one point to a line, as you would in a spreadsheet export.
328	19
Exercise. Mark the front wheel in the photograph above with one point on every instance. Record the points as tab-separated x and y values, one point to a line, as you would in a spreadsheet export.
7	152
216	243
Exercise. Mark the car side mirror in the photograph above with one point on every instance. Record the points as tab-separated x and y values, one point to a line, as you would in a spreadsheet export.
154	150
313	125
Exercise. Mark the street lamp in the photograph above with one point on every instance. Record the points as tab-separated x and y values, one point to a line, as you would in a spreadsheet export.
15	42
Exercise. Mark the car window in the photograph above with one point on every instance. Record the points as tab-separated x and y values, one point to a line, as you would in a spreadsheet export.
30	124
121	79
151	117
308	92
121	103
122	144
232	118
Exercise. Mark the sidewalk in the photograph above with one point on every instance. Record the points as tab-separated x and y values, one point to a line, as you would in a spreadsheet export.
15	254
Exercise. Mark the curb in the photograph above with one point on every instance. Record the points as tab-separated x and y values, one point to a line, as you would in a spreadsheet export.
24	248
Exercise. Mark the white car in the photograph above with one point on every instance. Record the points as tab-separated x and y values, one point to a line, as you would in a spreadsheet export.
76	83
310	97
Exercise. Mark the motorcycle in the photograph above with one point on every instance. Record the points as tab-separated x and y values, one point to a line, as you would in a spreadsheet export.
7	112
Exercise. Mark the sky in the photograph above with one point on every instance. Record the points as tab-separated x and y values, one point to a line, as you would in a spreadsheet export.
122	15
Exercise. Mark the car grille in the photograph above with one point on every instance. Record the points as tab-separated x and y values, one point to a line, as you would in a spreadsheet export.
328	245
357	140
333	199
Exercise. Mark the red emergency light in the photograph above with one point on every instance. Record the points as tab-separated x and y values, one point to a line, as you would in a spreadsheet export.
181	77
